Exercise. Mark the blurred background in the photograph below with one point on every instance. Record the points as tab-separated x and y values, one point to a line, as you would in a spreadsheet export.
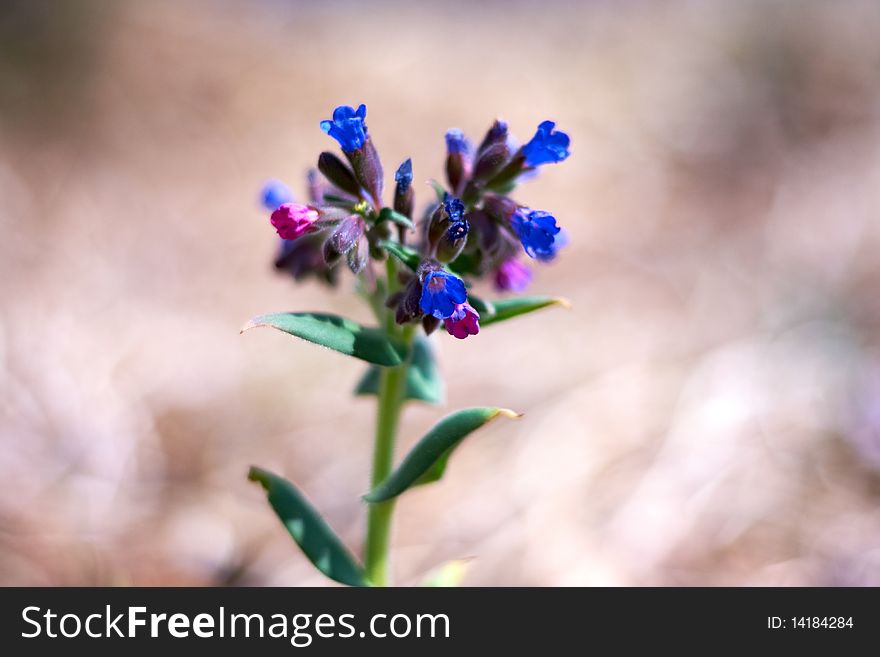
707	413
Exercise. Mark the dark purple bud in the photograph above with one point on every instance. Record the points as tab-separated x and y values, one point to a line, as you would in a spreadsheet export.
302	258
338	173
347	233
368	169
430	324
500	208
459	160
403	191
408	308
497	134
491	161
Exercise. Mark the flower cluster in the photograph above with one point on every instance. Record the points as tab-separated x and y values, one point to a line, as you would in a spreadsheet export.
474	229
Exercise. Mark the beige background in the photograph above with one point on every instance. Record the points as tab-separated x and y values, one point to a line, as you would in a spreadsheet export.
707	413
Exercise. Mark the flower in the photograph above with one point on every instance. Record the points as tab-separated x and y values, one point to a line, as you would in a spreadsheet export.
347	127
274	194
546	146
442	293
537	230
465	321
513	276
458	225
404	175
293	220
456	142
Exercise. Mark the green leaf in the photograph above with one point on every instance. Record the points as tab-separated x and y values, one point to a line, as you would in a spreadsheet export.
449	574
317	541
438	190
423	380
339	334
482	306
508	308
388	214
405	254
427	460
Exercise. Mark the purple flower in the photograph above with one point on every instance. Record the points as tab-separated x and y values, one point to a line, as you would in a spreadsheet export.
537	230
347	127
513	276
275	193
442	293
464	321
546	146
456	142
293	220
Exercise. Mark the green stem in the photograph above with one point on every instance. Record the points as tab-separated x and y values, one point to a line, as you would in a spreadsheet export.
392	384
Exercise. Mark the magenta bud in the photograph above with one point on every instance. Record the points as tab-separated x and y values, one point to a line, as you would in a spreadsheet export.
293	220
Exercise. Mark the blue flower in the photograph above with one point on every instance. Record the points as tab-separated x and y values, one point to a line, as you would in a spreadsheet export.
441	294
458	225
347	127
537	230
275	193
546	146
454	208
404	175
456	142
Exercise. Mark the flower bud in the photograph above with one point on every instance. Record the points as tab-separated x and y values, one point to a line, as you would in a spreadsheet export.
430	324
408	307
292	220
403	192
491	161
497	134
347	233
368	169
459	160
358	255
338	173
302	258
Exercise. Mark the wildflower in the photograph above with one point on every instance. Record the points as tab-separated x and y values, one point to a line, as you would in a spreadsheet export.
274	194
404	175
293	220
537	230
338	173
347	127
456	142
458	225
546	146
441	294
404	198
512	276
464	321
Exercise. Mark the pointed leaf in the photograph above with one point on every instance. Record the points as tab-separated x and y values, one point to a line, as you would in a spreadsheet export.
339	334
438	190
427	460
508	308
482	306
423	380
388	214
405	254
318	542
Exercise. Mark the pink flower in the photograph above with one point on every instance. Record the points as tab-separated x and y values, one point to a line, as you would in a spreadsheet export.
464	321
293	220
513	276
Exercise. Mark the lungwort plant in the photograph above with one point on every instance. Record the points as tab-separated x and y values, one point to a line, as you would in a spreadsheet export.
415	276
